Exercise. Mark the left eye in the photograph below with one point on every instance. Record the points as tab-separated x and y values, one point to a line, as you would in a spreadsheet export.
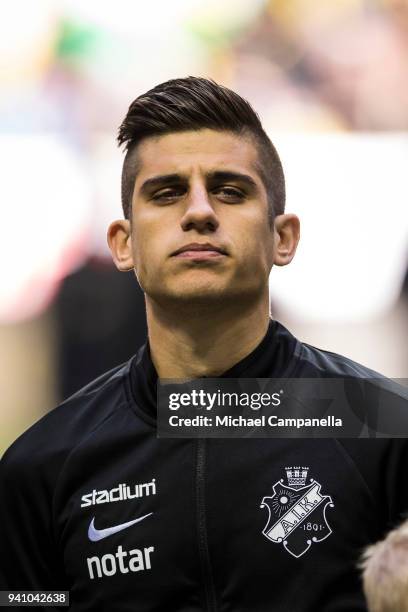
229	193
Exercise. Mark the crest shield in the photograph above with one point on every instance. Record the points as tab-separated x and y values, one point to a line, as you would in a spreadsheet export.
297	514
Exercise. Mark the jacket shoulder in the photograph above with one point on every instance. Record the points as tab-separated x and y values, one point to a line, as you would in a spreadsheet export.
55	434
315	362
329	364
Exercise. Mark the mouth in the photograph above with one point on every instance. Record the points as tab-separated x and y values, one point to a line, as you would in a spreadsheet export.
199	252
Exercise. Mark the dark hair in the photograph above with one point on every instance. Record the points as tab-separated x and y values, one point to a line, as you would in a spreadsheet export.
195	103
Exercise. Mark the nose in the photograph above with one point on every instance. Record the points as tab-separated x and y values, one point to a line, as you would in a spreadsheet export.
199	213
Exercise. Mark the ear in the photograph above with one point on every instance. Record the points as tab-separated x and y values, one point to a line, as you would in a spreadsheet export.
120	244
286	238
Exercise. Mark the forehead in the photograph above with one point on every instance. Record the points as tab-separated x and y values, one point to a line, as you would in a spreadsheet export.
200	150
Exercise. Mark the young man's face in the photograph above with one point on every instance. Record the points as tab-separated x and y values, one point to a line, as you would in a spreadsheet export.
200	188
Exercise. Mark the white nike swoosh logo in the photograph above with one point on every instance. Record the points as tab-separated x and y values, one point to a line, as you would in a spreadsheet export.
99	534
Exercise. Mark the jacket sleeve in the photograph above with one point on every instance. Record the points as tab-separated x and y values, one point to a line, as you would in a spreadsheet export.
396	482
28	554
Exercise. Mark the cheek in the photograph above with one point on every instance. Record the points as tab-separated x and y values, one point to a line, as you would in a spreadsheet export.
254	241
147	247
141	235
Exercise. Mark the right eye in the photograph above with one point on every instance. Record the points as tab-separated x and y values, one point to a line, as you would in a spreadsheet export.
168	194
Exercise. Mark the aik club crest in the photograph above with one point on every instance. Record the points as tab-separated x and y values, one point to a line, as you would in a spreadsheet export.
297	512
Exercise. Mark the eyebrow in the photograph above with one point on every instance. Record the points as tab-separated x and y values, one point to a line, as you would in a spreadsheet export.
216	176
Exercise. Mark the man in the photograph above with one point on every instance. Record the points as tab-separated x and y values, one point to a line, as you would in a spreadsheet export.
385	575
95	503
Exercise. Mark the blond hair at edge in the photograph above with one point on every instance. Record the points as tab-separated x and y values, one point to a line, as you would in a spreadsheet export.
385	572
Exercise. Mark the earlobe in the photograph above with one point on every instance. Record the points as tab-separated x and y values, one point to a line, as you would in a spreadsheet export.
287	234
120	244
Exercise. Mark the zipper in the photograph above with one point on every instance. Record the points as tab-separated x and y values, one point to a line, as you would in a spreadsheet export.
209	589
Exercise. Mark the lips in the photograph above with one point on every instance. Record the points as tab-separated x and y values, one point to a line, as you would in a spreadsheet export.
200	247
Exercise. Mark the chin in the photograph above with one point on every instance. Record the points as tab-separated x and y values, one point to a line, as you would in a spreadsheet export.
202	299
195	295
203	289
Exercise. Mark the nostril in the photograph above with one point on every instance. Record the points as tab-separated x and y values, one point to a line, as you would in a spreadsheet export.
208	225
199	220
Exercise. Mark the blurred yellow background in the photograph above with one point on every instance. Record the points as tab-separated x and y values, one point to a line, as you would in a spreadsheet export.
329	80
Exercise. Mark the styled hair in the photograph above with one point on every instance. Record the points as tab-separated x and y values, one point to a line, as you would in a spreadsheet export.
385	572
196	103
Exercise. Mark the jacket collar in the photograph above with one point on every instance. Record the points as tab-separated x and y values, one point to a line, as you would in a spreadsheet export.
274	357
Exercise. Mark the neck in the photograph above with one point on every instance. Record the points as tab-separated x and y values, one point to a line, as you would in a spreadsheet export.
203	342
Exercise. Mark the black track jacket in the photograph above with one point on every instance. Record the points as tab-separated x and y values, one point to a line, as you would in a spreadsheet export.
91	501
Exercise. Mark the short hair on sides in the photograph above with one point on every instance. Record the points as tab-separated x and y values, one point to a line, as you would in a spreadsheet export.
195	103
385	572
